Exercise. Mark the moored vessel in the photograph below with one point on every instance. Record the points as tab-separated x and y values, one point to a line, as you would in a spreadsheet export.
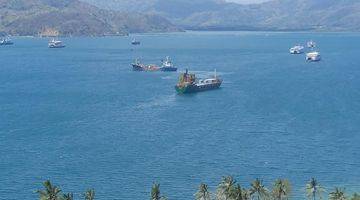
167	65
298	49
313	56
53	44
135	42
6	41
311	44
189	84
138	66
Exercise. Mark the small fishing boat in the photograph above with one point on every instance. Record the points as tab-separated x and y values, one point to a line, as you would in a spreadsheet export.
298	49
311	44
189	84
135	42
6	41
167	65
54	44
313	56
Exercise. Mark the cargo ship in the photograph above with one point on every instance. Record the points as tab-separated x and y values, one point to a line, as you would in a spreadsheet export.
166	66
138	66
189	84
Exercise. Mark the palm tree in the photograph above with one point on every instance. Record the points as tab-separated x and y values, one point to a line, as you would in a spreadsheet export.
313	189
337	194
246	194
355	197
281	189
238	193
51	192
68	196
155	192
225	188
89	194
203	193
258	189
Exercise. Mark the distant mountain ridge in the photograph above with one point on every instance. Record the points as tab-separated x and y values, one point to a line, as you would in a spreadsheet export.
73	17
317	15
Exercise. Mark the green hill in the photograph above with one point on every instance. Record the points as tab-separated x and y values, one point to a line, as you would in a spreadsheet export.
72	17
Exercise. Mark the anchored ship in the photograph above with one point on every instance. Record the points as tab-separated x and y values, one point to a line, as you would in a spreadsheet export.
166	66
138	66
298	49
189	84
313	56
135	42
53	44
311	44
6	41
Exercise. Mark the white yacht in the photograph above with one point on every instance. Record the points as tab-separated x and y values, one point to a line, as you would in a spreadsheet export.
313	56
56	44
311	44
6	41
298	49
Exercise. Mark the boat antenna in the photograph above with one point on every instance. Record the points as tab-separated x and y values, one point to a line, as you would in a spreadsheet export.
215	74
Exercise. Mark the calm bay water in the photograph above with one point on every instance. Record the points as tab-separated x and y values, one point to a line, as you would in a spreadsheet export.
80	117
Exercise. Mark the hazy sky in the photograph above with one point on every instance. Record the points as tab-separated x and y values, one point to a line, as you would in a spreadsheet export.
247	1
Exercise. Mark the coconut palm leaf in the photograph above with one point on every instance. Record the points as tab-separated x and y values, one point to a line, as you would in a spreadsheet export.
50	192
258	190
314	189
203	193
68	196
281	189
225	188
89	194
337	194
355	197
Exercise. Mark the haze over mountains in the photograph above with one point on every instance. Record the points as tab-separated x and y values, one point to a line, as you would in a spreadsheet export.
322	15
117	17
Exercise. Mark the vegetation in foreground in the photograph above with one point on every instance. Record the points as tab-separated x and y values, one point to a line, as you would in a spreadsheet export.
227	189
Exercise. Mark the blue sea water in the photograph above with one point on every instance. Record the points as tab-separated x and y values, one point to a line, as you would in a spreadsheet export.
82	118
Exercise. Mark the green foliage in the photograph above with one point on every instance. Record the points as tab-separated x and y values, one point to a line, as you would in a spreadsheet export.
258	190
155	193
356	196
281	189
89	194
203	193
68	196
225	188
314	189
337	194
50	192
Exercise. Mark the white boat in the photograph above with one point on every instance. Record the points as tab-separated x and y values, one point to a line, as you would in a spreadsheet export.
298	49
135	42
311	44
56	44
6	41
313	56
167	65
